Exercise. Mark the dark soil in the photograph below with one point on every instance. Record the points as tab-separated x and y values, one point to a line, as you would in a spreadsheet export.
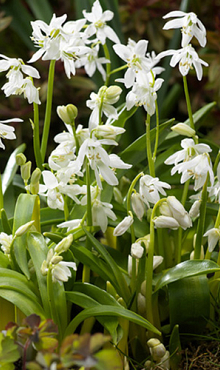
205	356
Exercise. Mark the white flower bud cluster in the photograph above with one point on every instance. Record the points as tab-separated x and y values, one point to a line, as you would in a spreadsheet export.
159	353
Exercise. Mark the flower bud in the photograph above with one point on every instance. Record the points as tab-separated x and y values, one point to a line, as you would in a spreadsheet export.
195	209
26	171
141	303
137	205
179	212
24	228
183	129
36	175
165	361
64	245
113	93
50	255
67	113
34	188
20	159
117	195
157	260
137	250
56	259
44	268
123	226
166	222
157	349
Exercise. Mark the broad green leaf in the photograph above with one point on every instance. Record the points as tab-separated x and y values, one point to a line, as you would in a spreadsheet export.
84	301
50	216
192	297
11	168
9	352
96	293
187	269
104	310
27	209
5	223
119	277
201	113
175	348
38	251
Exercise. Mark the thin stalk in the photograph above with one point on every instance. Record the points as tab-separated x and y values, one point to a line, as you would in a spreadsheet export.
157	132
149	266
201	222
47	119
188	103
75	136
108	65
180	230
148	145
36	137
1	194
118	69
216	162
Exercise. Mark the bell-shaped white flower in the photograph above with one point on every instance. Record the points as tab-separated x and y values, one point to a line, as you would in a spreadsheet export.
7	132
190	26
166	222
178	212
137	250
150	187
98	26
61	271
123	226
213	238
183	129
137	205
6	242
101	211
187	58
214	190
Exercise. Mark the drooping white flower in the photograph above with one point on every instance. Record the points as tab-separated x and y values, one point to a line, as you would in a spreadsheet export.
100	161
134	54
103	103
98	26
166	222
190	26
214	190
150	187
144	93
71	224
101	211
61	271
137	205
189	151
183	129
187	58
137	250
6	241
213	238
194	211
123	226
197	168
172	207
91	61
7	132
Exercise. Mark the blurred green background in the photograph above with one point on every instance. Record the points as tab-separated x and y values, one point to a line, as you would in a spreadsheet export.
138	19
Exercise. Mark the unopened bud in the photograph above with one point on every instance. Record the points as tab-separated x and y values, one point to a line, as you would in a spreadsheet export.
34	188
56	259
113	93
141	303
26	171
64	245
137	205
195	209
117	195
137	250
24	228
67	113
123	226
36	175
44	268
183	129
157	349
20	159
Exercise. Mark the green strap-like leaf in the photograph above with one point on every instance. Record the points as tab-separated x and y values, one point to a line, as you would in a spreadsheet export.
104	310
187	269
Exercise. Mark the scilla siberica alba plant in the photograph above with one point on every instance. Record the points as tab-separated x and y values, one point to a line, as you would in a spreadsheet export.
114	253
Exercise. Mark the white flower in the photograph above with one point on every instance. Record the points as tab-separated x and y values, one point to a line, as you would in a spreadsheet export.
102	103
150	187
61	272
178	212
137	250
98	26
17	65
137	205
71	224
213	238
7	132
166	222
123	226
195	209
183	129
100	161
197	168
187	57
101	211
91	61
54	196
190	26
190	150
6	241
144	94
134	54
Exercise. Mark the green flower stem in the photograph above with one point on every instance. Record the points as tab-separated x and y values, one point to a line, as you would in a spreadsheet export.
75	136
216	162
157	132
47	119
148	145
86	269
133	274
149	266
118	69
1	194
180	230
201	222
108	65
208	254
36	137
188	103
